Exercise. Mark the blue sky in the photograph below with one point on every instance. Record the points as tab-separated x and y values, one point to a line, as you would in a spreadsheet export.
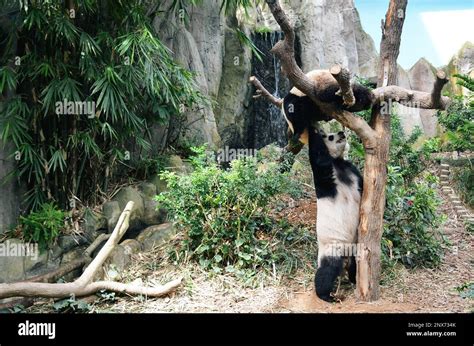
434	29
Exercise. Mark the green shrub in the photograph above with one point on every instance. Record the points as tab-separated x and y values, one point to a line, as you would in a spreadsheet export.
114	61
466	290
463	178
411	221
458	122
430	146
225	213
44	225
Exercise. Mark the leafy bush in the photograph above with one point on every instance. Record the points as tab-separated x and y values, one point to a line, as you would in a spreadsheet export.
411	220
463	178
225	212
44	225
72	306
466	290
458	120
431	145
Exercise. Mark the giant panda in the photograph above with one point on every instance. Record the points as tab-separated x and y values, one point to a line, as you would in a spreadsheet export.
300	111
338	186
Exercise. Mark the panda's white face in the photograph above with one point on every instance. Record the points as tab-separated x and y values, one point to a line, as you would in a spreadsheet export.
335	142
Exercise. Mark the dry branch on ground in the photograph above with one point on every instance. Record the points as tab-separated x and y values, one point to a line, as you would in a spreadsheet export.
85	285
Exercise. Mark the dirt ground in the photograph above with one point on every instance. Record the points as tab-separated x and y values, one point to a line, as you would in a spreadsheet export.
418	290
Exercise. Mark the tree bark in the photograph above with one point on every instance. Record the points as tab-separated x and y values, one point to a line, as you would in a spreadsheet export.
375	170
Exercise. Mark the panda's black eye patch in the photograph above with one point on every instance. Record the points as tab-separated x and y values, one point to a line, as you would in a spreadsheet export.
331	137
324	136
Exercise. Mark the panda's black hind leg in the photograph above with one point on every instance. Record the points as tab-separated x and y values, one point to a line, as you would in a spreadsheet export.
352	269
326	275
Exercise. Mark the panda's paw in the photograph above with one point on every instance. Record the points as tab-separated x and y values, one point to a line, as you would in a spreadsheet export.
327	298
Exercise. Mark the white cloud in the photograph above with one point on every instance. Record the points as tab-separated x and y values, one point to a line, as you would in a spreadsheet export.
449	30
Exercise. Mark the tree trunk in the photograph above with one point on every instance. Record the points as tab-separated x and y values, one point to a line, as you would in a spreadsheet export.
375	136
376	160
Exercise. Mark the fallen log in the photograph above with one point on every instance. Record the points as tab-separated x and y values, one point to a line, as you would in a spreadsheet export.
84	285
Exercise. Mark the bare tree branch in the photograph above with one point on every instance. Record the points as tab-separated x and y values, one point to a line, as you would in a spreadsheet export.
262	91
83	286
284	50
343	77
438	101
413	98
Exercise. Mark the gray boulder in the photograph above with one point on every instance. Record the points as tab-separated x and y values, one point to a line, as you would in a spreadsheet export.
116	263
131	194
156	235
93	223
112	213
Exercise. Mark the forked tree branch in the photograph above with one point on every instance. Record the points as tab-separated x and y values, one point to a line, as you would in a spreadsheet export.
262	91
414	98
84	286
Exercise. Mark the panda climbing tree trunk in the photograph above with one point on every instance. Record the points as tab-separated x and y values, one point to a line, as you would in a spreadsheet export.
375	135
376	160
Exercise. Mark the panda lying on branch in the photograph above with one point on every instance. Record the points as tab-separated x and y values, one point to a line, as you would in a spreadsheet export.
299	110
338	182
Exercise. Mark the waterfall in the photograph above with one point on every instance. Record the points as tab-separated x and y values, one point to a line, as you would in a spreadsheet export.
266	123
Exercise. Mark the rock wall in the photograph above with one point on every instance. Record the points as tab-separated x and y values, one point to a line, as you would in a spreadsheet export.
461	63
329	32
9	192
234	96
197	46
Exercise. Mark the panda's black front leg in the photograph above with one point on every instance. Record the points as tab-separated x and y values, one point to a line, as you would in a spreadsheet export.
321	165
352	269
329	269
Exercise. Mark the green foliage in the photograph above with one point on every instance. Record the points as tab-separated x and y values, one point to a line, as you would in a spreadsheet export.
463	178
458	120
411	221
466	290
463	138
110	58
411	218
71	305
465	81
44	225
247	41
230	6
456	114
431	145
225	213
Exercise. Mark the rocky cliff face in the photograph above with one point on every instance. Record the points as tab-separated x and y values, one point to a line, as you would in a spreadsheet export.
328	32
199	47
461	63
421	77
